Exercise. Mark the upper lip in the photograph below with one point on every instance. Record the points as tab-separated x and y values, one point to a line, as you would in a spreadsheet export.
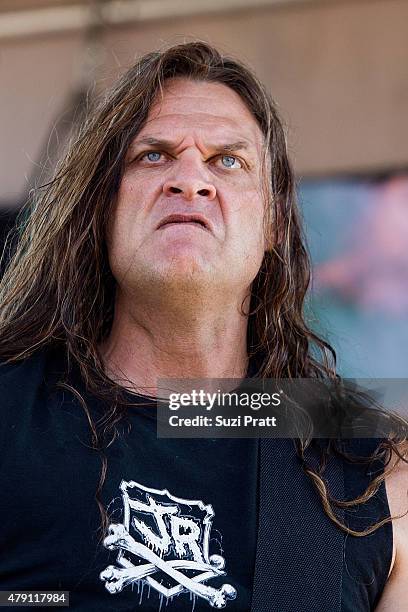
186	218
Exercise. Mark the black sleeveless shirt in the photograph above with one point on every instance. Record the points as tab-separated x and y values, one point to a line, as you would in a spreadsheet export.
183	514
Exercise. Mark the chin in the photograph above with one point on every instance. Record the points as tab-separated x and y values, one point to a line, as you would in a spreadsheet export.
183	257
185	269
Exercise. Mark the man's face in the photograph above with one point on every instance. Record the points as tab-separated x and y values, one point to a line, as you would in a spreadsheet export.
190	207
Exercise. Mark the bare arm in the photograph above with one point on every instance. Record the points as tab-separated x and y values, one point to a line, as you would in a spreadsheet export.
395	595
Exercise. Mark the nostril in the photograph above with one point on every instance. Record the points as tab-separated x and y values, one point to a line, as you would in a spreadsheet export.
175	190
204	192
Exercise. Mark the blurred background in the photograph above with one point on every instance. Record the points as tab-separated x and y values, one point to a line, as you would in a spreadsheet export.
338	70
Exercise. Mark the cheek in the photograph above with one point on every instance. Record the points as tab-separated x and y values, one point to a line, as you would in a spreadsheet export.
127	200
137	195
122	227
128	209
247	220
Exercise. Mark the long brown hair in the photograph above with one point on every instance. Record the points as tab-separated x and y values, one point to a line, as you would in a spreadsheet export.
58	288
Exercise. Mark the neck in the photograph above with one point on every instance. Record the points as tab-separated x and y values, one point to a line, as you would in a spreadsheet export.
149	341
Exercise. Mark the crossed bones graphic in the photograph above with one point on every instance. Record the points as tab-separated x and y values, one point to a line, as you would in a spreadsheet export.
117	578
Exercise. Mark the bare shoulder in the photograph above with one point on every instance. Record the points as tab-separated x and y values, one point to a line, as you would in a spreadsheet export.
395	596
397	488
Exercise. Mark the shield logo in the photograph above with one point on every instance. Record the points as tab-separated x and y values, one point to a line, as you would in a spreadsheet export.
163	542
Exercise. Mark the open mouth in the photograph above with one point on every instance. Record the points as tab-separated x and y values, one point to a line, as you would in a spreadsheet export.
191	220
196	223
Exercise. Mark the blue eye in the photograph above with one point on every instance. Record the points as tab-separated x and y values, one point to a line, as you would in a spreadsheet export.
153	156
229	161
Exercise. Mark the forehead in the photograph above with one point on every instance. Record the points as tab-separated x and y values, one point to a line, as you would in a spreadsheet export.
211	110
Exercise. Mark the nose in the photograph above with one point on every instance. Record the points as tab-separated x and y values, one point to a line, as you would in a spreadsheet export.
189	183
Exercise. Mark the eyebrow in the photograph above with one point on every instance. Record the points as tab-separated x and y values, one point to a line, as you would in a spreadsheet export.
239	145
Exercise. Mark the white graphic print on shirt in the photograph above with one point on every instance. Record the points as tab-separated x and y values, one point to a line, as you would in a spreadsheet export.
163	543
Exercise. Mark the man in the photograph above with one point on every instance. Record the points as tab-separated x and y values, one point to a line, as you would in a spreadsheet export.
168	245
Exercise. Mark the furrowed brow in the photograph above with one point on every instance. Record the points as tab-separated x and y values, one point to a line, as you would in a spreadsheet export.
154	142
240	145
162	143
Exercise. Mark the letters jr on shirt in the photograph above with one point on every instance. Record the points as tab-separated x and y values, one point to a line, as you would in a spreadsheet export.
164	545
